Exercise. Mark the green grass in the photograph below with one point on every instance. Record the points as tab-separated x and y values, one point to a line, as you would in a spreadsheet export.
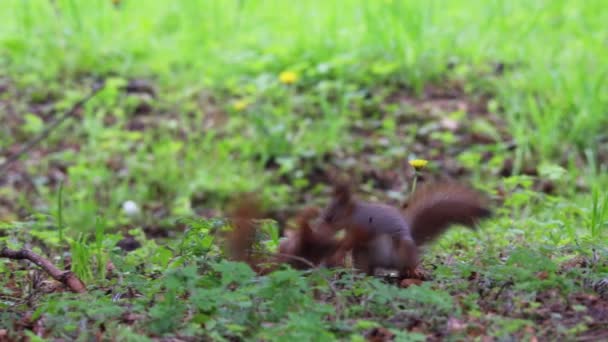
187	151
558	88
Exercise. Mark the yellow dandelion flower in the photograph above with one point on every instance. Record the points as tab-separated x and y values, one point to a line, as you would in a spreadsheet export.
240	105
288	77
418	163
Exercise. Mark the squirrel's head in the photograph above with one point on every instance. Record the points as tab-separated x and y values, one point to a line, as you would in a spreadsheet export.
339	210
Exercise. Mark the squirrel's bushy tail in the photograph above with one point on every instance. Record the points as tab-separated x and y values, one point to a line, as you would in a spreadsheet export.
241	240
434	208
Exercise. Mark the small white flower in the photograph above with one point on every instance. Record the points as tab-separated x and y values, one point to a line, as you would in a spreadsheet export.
130	208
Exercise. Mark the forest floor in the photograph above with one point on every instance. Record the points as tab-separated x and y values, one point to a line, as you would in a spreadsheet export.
132	191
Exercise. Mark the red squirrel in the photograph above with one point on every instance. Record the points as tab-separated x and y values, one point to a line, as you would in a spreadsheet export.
384	236
302	248
306	243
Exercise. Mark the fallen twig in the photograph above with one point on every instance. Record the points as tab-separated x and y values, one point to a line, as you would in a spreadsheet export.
68	278
503	287
289	256
45	133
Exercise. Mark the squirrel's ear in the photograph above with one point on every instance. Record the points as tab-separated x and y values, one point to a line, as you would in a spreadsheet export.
341	187
342	192
306	215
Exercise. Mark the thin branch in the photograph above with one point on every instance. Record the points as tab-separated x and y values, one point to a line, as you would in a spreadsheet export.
45	133
289	256
503	287
68	278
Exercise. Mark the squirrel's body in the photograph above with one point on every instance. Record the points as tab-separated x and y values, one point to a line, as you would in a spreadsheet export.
380	251
379	235
381	229
380	219
383	236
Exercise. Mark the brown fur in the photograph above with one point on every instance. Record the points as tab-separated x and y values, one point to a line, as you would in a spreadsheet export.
378	235
303	247
372	229
434	208
307	243
241	239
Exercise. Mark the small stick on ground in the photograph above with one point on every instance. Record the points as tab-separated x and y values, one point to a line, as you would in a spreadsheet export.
68	278
503	287
45	133
292	257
